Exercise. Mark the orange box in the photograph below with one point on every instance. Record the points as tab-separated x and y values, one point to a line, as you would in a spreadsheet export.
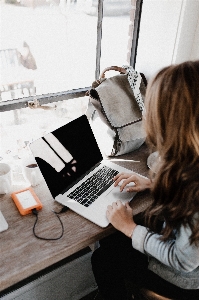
26	200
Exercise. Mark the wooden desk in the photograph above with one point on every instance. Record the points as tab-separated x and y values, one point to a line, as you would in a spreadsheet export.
22	255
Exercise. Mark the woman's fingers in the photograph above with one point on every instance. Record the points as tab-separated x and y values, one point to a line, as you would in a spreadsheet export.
129	184
128	207
121	176
121	217
126	180
132	181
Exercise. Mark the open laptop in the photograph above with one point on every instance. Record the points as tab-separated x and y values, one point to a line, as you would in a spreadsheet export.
72	164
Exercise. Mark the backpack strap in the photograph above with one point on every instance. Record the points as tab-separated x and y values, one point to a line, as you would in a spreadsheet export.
134	79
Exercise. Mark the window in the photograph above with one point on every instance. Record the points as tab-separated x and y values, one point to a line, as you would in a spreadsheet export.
51	52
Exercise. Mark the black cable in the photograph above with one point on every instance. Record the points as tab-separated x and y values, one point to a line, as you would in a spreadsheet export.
64	208
35	212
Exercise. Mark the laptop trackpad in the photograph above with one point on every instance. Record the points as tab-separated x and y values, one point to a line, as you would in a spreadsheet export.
114	194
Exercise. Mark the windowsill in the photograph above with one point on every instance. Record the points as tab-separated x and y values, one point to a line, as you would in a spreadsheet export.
20	127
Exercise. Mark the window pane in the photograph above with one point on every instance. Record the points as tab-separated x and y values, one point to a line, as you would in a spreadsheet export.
20	127
115	33
49	46
54	46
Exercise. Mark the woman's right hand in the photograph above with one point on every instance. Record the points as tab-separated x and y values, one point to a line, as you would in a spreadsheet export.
141	183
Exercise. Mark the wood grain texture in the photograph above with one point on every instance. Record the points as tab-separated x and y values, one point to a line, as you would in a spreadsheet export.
22	255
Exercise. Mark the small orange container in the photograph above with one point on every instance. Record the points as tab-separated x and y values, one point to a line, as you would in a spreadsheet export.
26	200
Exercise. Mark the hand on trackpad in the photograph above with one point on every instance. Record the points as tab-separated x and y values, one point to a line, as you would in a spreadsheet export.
128	185
123	196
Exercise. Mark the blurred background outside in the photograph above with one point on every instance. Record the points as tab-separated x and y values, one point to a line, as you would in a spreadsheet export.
49	46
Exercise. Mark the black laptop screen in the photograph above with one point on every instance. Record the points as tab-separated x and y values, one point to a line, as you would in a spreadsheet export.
74	141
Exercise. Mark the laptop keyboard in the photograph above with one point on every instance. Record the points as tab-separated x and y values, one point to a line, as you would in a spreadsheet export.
94	186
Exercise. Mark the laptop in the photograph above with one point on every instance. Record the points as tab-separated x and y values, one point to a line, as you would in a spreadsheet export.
76	173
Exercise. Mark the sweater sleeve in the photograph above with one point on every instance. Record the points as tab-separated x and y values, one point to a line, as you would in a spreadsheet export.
177	253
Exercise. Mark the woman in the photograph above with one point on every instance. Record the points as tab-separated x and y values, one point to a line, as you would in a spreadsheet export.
166	259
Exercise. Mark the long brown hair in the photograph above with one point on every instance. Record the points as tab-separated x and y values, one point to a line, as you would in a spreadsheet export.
172	127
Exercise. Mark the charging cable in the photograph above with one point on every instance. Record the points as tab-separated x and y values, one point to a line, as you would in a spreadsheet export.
35	212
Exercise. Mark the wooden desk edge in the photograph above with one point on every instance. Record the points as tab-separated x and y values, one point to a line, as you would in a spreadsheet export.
25	273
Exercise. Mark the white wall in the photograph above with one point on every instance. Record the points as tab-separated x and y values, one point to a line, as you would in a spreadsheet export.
187	41
195	46
169	33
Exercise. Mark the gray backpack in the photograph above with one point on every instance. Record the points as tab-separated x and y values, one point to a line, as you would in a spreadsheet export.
115	111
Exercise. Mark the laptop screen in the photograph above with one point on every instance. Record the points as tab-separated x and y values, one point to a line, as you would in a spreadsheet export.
66	154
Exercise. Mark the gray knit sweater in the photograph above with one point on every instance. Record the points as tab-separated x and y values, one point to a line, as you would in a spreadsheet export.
174	260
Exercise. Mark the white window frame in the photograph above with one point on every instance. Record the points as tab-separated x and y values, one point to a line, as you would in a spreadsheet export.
80	92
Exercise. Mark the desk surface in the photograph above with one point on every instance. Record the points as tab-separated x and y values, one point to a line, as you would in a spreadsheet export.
22	255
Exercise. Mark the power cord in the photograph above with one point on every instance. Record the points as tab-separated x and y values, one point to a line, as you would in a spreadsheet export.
35	212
